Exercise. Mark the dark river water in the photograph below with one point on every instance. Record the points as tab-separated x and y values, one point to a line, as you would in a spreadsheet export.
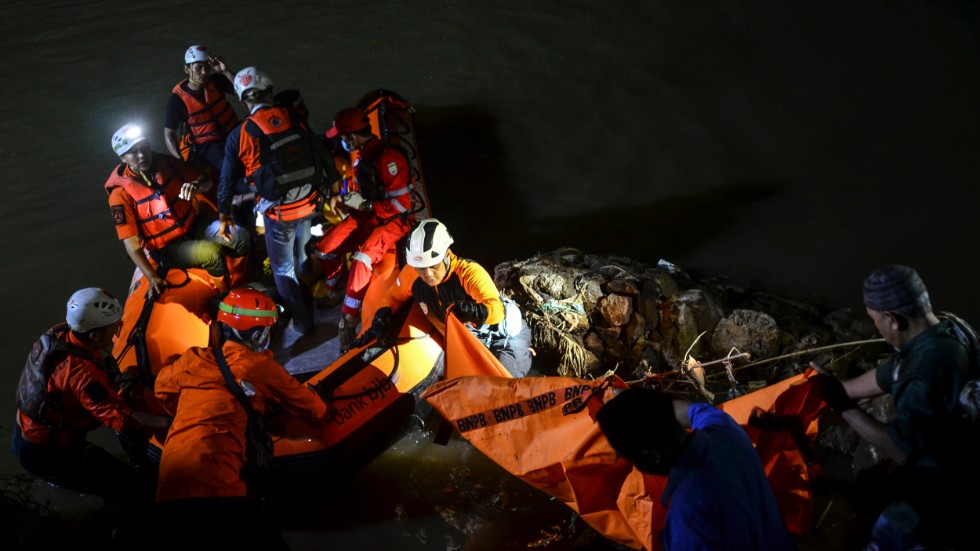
790	146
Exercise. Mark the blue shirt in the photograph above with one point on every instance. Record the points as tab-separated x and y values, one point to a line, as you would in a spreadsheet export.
717	494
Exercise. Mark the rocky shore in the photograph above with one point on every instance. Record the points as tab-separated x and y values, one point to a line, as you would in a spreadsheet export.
702	338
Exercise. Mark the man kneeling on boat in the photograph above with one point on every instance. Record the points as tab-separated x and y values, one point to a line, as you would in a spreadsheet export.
211	391
443	283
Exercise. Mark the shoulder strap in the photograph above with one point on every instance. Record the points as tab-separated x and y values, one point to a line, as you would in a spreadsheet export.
236	389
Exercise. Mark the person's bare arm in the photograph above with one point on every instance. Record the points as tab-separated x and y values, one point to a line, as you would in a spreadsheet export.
680	412
173	143
863	386
874	432
136	254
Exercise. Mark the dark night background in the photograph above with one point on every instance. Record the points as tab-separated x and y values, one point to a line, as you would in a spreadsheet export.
792	146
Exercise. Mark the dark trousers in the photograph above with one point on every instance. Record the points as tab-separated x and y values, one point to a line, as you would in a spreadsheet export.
84	467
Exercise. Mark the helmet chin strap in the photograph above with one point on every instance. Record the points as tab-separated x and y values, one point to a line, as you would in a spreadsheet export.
259	341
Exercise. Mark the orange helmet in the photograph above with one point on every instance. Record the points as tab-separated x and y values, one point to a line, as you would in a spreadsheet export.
247	308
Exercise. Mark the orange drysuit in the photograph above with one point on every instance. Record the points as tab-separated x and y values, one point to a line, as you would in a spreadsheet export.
464	281
205	448
87	399
373	233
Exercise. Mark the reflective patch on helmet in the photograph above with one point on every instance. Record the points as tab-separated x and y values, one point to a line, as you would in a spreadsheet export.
275	122
393	168
118	214
96	392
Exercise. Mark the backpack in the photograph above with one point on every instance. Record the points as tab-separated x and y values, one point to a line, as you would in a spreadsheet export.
48	352
970	394
290	159
509	327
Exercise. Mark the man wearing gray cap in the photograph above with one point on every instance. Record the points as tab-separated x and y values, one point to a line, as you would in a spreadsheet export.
928	433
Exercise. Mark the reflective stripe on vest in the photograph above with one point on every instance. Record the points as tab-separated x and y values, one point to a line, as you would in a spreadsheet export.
159	222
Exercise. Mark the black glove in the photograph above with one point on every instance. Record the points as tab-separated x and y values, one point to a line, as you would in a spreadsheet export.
833	392
469	311
378	329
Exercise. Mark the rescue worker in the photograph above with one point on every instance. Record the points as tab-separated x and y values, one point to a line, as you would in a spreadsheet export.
200	485
442	283
378	210
283	162
152	199
925	376
198	106
66	390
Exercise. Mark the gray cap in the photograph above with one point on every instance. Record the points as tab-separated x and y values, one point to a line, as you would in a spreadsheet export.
892	287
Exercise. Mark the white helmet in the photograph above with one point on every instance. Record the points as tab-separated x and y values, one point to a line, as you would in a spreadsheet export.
427	244
249	78
126	137
91	308
195	54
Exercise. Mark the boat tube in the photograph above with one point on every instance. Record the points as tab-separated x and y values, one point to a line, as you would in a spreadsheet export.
373	393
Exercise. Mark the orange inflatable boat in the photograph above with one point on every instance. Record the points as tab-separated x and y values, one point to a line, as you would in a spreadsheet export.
372	393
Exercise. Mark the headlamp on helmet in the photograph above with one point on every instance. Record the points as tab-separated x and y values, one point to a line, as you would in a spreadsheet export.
126	137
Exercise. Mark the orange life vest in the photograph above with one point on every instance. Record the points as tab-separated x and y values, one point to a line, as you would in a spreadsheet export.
161	218
211	119
287	147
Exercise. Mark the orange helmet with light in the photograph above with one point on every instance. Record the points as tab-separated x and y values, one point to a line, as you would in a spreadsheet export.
245	309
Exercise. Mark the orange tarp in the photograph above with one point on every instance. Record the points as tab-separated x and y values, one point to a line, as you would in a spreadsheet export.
542	430
466	355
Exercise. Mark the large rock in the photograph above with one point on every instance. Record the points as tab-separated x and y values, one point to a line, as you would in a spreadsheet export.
684	317
747	331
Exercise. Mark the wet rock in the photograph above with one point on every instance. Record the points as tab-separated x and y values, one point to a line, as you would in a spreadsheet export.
615	309
689	314
746	331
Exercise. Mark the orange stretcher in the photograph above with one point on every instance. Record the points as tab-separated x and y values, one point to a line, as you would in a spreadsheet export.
542	430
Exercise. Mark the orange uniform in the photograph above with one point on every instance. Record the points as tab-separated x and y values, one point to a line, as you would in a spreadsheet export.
205	448
383	176
464	281
88	400
155	214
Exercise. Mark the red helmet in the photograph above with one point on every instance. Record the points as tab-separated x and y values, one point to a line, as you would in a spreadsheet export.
244	309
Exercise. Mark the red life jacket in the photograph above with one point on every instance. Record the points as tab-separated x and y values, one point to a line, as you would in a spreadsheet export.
389	186
288	168
211	119
161	217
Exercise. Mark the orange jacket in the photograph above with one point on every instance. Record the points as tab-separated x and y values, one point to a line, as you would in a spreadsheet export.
208	120
388	168
280	157
155	214
205	448
464	281
88	400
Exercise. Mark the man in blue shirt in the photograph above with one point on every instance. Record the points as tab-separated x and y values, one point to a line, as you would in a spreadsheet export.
717	494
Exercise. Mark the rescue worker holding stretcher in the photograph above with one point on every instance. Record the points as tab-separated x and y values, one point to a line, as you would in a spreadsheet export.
442	283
